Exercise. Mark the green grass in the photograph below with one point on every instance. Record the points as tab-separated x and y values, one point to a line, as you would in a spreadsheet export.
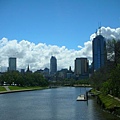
95	92
2	89
109	102
26	88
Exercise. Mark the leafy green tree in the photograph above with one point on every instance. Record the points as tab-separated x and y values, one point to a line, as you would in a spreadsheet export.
106	87
99	77
117	52
110	47
115	81
27	79
113	50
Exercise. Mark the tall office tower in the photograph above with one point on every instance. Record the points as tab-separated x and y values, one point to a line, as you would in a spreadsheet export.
53	65
81	66
12	63
99	52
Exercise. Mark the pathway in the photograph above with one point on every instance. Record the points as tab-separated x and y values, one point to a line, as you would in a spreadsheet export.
7	88
114	97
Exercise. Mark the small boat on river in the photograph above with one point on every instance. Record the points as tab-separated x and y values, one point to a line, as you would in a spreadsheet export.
81	98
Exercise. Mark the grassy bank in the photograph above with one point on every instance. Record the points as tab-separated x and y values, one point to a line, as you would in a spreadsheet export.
107	102
26	88
19	89
95	92
2	89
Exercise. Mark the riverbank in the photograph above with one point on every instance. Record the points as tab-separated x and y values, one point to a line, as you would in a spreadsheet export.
12	89
81	85
108	102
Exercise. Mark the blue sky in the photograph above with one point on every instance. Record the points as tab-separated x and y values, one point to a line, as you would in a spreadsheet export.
56	22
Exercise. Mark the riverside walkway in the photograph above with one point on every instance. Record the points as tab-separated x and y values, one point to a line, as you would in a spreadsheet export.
7	88
116	98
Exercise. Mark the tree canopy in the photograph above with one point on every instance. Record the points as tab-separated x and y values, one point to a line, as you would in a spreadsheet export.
26	79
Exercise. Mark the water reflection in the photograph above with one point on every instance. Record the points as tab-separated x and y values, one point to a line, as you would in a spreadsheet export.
50	104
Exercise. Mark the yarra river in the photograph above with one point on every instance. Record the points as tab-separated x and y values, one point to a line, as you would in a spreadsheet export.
50	104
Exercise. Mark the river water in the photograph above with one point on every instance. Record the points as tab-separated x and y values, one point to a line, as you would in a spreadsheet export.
50	104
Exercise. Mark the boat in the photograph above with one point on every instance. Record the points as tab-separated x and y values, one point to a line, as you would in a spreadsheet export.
81	98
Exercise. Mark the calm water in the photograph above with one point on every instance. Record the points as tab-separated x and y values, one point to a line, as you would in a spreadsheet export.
50	104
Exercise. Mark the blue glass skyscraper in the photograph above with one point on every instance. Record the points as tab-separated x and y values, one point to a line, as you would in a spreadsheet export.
99	52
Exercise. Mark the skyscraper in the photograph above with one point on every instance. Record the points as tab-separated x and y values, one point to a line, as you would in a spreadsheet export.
99	52
12	63
53	65
81	66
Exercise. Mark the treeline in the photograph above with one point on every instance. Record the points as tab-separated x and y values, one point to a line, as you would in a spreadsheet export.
69	82
107	78
23	79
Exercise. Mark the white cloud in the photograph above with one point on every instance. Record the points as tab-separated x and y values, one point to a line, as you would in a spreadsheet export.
80	46
38	56
108	33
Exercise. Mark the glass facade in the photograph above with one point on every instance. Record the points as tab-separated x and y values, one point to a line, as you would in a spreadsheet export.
99	52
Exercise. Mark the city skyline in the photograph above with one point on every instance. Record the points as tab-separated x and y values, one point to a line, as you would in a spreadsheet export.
82	65
37	56
33	31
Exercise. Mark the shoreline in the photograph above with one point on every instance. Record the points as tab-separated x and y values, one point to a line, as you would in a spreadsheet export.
33	89
82	85
22	90
102	100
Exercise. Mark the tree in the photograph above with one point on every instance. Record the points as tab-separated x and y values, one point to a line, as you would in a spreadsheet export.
117	52
113	50
106	87
115	81
27	79
99	77
110	47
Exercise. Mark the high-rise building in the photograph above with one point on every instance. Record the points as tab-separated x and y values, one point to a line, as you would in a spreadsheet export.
12	63
81	66
53	65
99	52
